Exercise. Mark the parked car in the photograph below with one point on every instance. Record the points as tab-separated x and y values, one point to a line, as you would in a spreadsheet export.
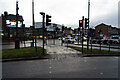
93	41
99	41
105	40
114	40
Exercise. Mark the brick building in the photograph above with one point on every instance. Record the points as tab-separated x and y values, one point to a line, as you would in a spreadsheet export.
106	30
68	31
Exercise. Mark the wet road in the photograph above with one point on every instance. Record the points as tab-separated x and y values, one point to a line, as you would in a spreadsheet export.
63	63
63	66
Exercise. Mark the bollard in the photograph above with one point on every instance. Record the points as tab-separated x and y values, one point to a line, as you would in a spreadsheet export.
17	43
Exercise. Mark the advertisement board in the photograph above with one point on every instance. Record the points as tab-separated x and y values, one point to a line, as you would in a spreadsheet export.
50	28
10	23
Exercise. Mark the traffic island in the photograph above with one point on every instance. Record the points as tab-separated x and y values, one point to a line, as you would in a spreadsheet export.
95	52
28	53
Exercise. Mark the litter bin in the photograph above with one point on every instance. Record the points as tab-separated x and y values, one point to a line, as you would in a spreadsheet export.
32	44
17	43
81	41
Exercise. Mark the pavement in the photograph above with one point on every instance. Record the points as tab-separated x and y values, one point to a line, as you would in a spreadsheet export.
51	49
57	49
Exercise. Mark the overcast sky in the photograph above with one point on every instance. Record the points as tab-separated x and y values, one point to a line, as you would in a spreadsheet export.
67	12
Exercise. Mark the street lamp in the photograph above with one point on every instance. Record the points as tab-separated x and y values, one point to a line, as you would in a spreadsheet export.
88	24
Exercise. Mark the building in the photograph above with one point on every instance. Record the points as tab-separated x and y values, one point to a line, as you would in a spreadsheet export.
9	26
90	32
68	31
50	30
106	30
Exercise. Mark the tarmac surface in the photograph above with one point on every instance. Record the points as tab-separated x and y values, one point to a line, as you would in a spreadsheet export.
63	63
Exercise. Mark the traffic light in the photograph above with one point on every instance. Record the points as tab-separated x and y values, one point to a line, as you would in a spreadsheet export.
80	23
86	22
62	28
48	20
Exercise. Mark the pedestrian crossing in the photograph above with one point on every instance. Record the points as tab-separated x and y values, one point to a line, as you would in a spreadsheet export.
54	49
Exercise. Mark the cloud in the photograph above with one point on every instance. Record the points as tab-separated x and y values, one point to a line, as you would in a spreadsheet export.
8	5
107	14
67	12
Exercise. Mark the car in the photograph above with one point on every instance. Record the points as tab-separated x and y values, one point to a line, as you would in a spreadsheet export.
99	41
59	38
114	40
69	40
85	38
105	40
93	41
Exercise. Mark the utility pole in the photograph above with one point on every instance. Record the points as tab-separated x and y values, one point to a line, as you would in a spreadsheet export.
17	15
88	24
32	22
34	25
23	29
17	42
43	25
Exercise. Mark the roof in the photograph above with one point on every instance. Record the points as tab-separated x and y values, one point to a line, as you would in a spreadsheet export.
13	17
102	24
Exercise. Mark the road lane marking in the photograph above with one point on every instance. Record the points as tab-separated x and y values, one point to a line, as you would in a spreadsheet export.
50	67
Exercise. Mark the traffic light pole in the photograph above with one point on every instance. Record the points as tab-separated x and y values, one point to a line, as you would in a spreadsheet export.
62	35
54	33
82	34
17	42
54	37
78	35
88	24
61	38
43	24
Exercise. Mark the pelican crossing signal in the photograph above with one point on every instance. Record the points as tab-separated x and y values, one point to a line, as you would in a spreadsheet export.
48	20
80	23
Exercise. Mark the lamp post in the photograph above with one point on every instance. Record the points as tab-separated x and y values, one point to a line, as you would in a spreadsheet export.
88	24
